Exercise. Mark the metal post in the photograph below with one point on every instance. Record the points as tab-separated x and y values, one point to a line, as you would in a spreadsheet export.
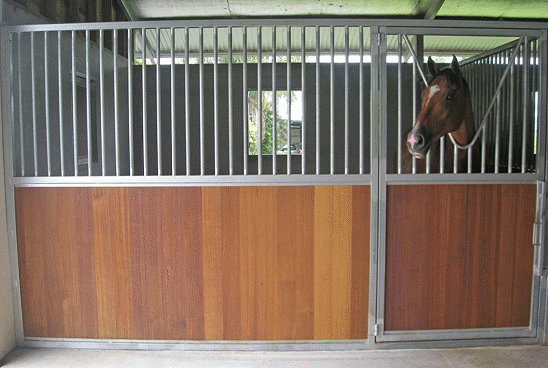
102	98
483	134
414	108
274	104
144	96
346	103
172	105
230	113
525	110
245	100
216	97
116	100
158	105
318	152
361	103
332	102
260	100
61	109
33	102
303	100
187	101
202	107
288	100
46	102
74	103
20	107
130	54
88	104
400	132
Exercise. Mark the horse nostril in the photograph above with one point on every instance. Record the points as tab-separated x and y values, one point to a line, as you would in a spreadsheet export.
420	141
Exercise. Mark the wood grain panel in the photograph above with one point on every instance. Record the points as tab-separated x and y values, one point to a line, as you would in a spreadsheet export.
459	256
230	263
54	230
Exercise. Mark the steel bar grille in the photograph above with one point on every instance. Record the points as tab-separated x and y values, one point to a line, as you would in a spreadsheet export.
178	101
247	100
508	143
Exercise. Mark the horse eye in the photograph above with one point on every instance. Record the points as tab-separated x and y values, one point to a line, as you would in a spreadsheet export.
450	97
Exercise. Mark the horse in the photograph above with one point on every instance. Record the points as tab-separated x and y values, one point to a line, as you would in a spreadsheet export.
446	108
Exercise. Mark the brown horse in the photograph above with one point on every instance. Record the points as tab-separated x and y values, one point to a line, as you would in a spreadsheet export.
446	108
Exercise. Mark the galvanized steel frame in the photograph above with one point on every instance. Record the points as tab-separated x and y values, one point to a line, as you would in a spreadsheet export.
386	179
377	179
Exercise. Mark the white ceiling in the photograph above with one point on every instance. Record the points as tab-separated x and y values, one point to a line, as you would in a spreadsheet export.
497	9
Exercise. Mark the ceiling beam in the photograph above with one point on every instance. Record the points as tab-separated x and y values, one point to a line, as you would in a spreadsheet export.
434	8
128	9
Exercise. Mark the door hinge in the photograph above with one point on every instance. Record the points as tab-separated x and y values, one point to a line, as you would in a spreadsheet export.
537	233
377	329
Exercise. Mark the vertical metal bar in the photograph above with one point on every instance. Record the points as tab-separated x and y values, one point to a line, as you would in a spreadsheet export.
20	107
274	104
400	132
88	104
473	70
318	147
442	155
61	109
260	99
202	107
483	134
11	95
303	100
525	110
497	135
74	103
245	100
414	111
158	105
46	102
288	100
230	117
216	97
102	98
130	54
33	102
332	102
144	96
116	100
361	103
455	154
172	105
346	103
187	101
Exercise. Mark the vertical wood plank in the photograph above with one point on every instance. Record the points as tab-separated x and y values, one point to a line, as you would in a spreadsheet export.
332	262
56	262
112	256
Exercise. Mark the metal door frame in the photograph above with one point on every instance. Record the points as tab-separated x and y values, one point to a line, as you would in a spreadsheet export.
377	179
529	333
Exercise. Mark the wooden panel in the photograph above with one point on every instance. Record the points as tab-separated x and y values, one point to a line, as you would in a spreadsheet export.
54	230
230	263
459	256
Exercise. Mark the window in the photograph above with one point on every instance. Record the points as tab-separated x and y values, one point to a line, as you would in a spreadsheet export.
279	143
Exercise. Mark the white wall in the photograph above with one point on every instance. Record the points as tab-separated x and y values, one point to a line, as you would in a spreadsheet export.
7	326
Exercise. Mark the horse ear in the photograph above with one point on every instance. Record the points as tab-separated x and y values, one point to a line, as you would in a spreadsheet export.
455	65
432	67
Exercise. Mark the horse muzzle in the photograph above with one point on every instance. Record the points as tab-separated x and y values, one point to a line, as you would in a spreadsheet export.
417	144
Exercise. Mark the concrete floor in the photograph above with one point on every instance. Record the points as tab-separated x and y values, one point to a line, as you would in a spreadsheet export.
499	357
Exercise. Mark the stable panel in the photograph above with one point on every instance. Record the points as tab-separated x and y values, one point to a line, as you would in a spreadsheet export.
195	263
458	256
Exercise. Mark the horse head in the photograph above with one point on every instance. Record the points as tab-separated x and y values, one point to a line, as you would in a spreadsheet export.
445	106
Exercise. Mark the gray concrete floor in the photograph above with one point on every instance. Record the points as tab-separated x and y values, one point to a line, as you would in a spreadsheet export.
499	357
